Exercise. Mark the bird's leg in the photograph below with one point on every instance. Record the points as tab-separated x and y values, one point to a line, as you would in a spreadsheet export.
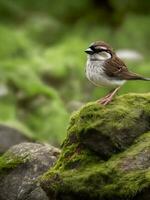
104	98
107	99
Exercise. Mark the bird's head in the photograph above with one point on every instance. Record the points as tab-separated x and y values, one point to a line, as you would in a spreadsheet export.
99	51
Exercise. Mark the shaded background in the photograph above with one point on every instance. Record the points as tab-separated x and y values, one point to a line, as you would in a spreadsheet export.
42	59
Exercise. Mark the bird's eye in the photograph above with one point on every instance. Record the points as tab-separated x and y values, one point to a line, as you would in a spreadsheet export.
96	50
92	47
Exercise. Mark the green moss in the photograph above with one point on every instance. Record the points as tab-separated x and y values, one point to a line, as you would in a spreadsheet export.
106	130
118	123
106	152
104	179
10	161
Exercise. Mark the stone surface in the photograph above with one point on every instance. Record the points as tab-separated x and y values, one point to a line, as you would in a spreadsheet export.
106	155
20	168
10	136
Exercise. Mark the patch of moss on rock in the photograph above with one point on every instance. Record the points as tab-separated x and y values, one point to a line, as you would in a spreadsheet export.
10	161
106	155
20	168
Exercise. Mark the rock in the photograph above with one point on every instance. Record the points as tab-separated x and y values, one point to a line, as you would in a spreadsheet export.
10	136
20	168
106	155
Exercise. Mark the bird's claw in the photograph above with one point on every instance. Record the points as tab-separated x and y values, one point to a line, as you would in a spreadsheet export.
104	101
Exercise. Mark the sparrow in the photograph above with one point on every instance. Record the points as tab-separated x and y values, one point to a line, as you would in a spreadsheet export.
105	68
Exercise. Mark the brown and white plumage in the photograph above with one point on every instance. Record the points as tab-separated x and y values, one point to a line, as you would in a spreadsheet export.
104	68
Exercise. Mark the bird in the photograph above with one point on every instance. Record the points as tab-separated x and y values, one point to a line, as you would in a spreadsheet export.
105	68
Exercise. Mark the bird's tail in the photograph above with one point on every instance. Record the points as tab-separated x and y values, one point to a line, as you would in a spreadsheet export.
133	76
146	79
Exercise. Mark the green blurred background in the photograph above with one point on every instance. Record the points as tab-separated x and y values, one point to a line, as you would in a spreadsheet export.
42	59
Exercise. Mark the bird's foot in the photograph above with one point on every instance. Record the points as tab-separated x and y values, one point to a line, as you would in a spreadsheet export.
107	99
104	101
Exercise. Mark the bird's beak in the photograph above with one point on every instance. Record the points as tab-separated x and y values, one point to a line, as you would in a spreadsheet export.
89	51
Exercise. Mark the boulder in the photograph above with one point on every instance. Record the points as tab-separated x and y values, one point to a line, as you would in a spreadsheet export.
20	168
106	154
10	136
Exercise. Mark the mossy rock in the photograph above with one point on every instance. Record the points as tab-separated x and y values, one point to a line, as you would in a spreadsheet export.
106	155
20	168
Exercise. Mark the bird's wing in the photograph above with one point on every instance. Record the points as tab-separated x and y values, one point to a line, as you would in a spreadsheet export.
117	69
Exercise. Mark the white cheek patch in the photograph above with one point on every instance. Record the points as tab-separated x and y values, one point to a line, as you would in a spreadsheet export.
103	55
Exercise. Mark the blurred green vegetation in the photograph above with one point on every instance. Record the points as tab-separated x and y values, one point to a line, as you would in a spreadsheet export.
42	58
